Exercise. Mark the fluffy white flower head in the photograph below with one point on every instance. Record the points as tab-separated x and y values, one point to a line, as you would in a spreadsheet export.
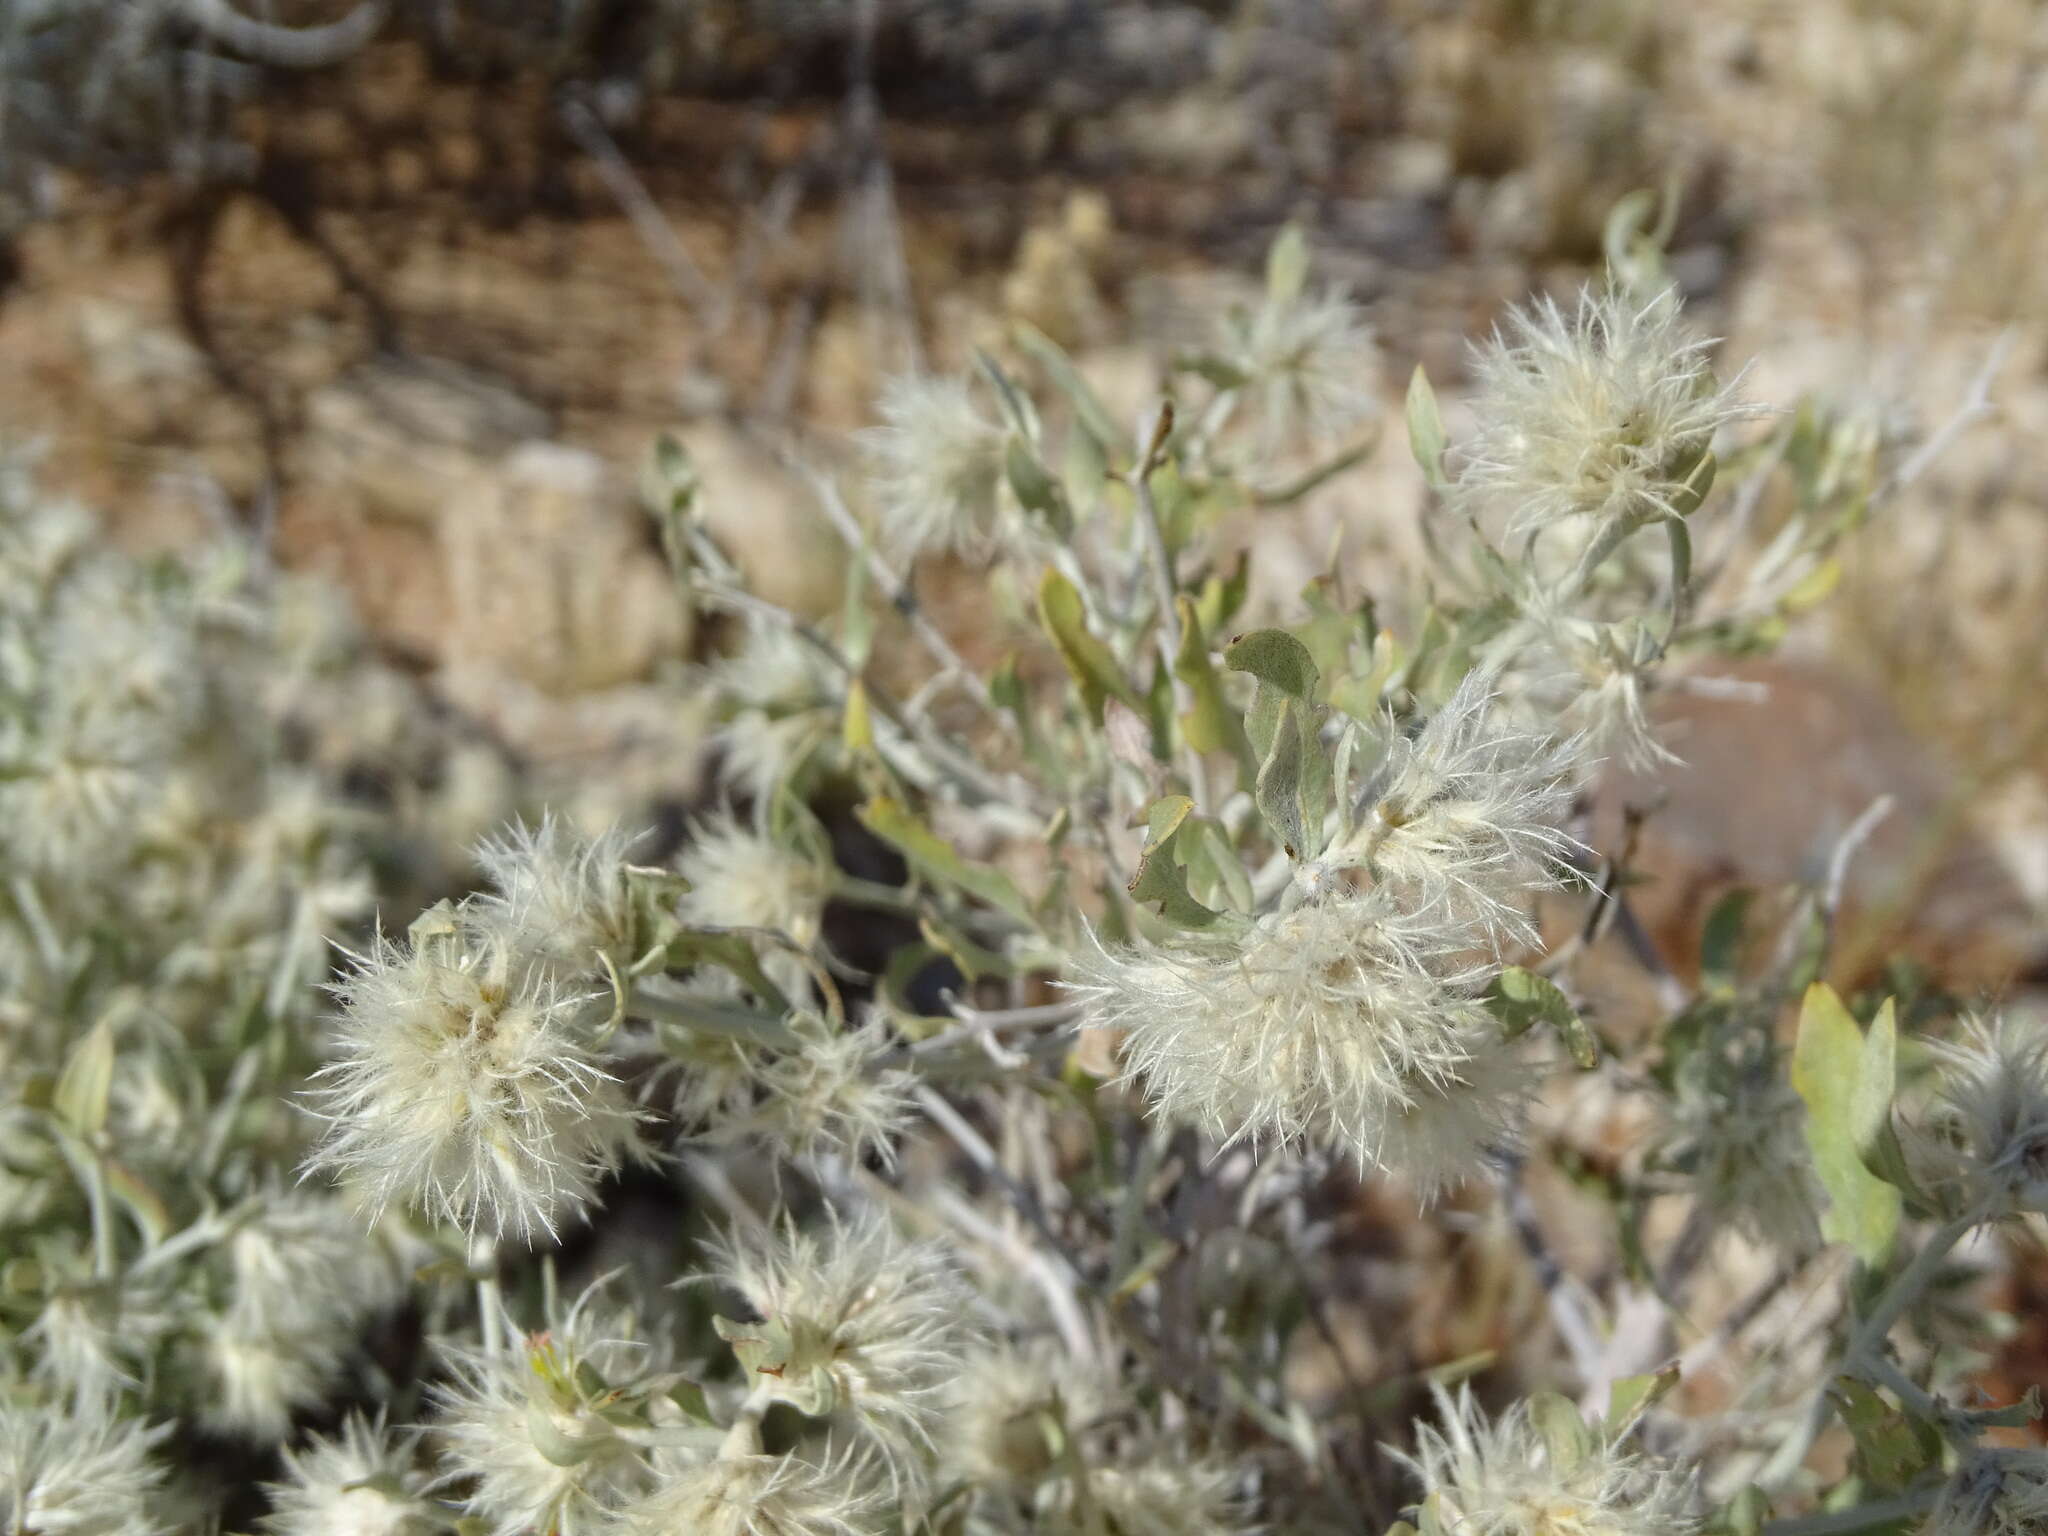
1591	679
938	469
80	1474
1504	1478
1163	1495
526	1429
256	1380
1994	1493
561	895
1984	1140
782	692
362	1481
1601	413
742	879
1311	368
996	1433
1737	1128
856	1323
466	1086
1466	814
760	1496
825	1094
1328	1023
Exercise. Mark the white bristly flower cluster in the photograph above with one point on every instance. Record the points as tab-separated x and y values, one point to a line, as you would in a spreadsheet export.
996	1428
1600	414
1737	1130
1994	1493
741	878
757	1495
1511	1477
1464	815
1354	1018
823	1092
856	1325
1310	369
783	696
1347	1020
1981	1145
300	1280
467	1083
1592	425
559	897
1170	1494
543	1435
364	1480
938	470
79	1474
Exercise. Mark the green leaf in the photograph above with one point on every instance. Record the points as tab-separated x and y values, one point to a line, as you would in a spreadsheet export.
1426	438
1215	872
1877	1138
1210	724
1278	789
1275	657
1292	787
856	728
1693	487
1626	225
1891	1450
1088	660
1016	405
87	1083
1089	410
1286	265
936	859
1160	877
1827	1064
974	961
1214	368
1565	1432
730	952
1681	565
1222	596
1747	1512
676	477
144	1203
1362	697
1521	999
1633	1396
1036	488
1721	944
559	1447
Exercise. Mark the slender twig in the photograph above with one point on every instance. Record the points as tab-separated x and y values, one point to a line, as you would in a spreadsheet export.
1845	852
983	1156
313	47
1976	402
893	585
1879	1515
964	769
1050	1272
1165	588
977	1025
1573	1326
1868	1340
646	217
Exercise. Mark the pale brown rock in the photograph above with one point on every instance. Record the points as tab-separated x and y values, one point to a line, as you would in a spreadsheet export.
1776	769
